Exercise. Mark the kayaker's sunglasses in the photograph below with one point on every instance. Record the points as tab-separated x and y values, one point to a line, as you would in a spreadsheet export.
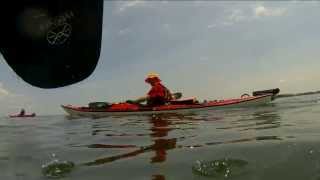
51	43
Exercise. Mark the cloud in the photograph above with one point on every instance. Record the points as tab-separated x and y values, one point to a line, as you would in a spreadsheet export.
232	17
129	4
212	26
204	58
247	14
262	11
227	23
282	81
3	91
237	15
300	78
124	31
166	26
200	3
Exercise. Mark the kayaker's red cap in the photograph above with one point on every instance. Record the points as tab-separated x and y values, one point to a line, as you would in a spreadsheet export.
152	77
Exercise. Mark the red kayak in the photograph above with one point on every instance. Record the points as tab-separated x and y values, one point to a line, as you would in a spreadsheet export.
22	116
129	109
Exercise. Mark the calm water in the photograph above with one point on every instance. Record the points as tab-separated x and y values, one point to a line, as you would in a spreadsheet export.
277	141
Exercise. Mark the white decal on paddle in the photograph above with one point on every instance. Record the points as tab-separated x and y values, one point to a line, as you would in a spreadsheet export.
58	35
58	29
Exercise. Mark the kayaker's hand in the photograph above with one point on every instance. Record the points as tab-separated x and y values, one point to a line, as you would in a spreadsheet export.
130	101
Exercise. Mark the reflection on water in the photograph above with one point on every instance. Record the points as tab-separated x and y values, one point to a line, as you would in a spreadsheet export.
169	132
158	177
160	127
110	146
256	121
259	138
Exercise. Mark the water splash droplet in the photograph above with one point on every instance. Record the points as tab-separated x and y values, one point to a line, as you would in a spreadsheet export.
56	168
311	151
219	168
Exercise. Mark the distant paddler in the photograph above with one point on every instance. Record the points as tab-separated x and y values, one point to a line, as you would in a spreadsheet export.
22	113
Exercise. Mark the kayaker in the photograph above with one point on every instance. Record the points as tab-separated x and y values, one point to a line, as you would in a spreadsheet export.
158	94
22	112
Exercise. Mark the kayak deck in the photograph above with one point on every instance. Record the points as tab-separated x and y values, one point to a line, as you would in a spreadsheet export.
182	108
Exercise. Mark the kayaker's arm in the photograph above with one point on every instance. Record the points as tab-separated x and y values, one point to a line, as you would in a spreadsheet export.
139	100
142	99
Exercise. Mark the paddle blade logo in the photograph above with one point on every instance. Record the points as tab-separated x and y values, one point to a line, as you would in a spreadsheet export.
59	29
59	34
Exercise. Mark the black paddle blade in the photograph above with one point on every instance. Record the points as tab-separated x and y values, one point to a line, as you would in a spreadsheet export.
51	43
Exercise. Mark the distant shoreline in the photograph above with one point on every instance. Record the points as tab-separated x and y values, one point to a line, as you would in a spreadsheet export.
297	94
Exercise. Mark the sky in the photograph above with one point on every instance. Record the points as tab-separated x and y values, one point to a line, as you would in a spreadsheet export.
206	49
